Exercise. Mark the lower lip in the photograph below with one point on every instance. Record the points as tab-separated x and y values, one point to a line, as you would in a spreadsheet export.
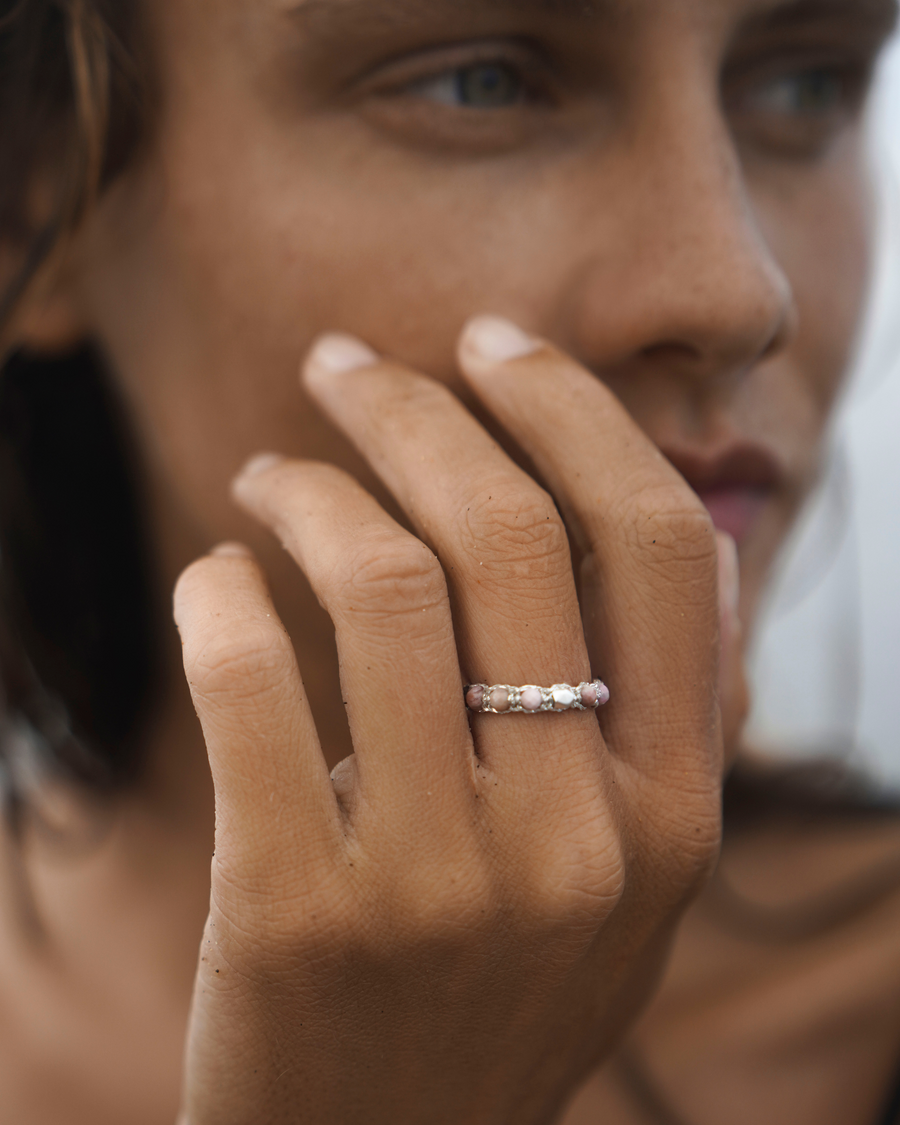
734	510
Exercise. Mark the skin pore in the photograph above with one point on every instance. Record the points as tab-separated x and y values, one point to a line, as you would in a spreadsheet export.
671	192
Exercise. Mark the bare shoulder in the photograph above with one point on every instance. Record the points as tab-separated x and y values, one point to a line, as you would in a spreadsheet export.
96	960
781	1002
32	1019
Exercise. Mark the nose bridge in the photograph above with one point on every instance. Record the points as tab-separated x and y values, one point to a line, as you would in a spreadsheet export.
693	273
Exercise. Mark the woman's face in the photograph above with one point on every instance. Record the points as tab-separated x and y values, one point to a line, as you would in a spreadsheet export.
670	190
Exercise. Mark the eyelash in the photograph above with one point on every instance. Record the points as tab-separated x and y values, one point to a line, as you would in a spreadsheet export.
846	86
503	86
437	77
798	109
488	96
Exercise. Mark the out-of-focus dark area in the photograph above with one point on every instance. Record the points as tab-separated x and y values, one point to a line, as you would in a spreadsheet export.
74	576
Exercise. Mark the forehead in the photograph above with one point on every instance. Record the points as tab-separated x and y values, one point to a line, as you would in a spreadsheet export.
257	28
288	44
610	25
618	11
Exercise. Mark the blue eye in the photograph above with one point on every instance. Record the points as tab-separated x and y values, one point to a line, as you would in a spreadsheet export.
812	92
489	85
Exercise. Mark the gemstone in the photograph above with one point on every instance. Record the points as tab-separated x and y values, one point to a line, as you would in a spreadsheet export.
475	697
563	697
499	699
589	695
531	699
602	694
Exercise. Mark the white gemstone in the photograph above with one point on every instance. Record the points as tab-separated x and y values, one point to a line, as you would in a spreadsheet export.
563	697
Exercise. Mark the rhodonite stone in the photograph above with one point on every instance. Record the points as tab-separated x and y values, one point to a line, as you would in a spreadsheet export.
500	699
475	697
589	695
531	699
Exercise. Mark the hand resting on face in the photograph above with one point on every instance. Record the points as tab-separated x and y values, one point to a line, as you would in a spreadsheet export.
462	924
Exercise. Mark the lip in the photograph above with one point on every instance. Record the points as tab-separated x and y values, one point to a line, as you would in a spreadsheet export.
734	483
734	510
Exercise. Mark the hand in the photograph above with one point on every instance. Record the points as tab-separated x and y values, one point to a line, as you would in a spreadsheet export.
459	927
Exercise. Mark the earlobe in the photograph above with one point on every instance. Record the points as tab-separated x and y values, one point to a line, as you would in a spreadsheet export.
48	319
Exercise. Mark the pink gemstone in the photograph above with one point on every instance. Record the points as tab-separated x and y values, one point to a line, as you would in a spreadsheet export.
500	699
589	695
602	694
475	697
531	699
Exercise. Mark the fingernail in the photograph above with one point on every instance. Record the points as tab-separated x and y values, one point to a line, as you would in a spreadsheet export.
231	551
260	463
729	573
497	340
339	352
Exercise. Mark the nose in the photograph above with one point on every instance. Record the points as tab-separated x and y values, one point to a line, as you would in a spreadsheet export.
674	272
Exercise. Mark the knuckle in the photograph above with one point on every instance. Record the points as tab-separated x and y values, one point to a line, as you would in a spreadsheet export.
684	841
271	925
392	574
239	660
506	521
671	525
438	903
699	836
368	916
580	876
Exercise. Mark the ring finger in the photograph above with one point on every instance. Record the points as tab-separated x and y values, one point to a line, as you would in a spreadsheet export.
498	535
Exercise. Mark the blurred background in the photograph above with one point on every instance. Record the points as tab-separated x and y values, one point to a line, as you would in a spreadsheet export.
825	661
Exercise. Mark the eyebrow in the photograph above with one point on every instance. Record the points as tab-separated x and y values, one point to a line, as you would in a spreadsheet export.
405	12
887	9
880	16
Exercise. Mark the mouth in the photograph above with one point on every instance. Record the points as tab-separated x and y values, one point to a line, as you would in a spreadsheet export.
734	509
735	484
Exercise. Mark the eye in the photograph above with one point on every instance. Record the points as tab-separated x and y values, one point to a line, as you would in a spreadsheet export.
484	85
480	97
812	92
797	111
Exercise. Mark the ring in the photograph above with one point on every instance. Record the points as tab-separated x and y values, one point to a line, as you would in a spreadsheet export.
503	699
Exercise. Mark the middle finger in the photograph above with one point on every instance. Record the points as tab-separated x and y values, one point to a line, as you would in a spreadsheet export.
498	534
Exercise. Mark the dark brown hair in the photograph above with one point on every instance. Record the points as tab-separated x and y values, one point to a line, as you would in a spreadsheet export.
76	636
72	107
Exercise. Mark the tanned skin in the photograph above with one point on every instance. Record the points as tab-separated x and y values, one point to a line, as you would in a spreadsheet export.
665	202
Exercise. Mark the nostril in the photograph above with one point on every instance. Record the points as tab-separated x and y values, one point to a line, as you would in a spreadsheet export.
672	353
728	343
785	329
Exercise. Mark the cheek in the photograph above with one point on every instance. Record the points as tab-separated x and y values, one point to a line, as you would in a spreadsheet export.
819	230
321	227
406	261
211	276
243	245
